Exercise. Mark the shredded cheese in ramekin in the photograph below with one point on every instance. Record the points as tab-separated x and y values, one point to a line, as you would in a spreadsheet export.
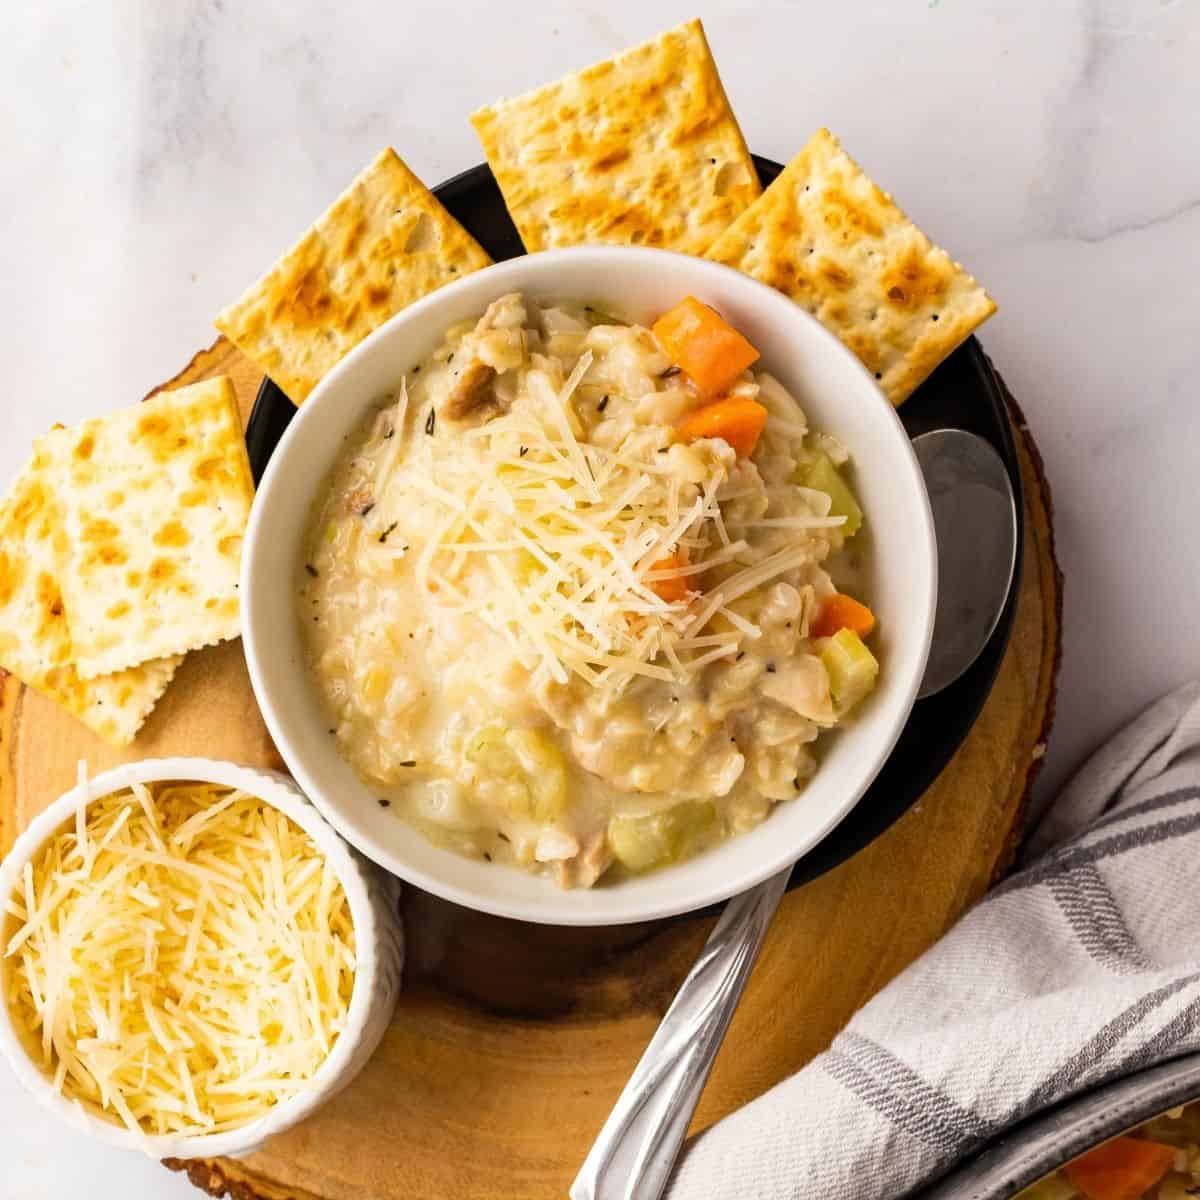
181	956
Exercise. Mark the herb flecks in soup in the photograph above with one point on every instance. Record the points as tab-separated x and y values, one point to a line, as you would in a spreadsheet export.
568	594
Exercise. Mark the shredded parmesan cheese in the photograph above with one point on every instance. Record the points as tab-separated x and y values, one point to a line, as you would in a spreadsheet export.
180	956
571	533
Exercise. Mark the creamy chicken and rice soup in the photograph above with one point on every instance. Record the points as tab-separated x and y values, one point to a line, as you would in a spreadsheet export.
574	594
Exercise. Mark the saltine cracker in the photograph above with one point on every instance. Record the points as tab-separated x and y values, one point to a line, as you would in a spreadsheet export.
35	642
385	242
155	501
824	234
640	150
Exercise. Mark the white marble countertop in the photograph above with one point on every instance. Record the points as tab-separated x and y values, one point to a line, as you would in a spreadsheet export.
159	156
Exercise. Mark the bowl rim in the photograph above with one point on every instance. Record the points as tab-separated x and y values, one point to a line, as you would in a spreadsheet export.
281	793
1045	1141
514	272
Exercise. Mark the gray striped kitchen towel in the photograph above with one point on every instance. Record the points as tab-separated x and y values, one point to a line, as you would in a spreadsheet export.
1081	967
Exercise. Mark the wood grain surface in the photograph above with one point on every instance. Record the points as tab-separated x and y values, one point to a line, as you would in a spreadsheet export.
511	1041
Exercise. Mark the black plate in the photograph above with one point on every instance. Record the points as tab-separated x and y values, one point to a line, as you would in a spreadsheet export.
962	393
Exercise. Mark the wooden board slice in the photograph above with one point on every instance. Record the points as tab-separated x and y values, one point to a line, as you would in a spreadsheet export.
511	1041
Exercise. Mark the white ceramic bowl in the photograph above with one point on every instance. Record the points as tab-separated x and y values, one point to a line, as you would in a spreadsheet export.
379	951
837	394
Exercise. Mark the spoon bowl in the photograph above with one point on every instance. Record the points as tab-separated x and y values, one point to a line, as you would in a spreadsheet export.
975	522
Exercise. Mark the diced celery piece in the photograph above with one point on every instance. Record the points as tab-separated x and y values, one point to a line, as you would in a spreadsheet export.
488	748
642	843
851	667
595	315
823	476
530	762
545	771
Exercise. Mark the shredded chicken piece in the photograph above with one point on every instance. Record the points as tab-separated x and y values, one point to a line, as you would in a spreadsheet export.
594	860
587	866
495	345
802	685
555	845
472	390
506	313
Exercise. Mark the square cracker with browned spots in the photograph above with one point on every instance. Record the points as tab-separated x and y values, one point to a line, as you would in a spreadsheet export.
155	501
35	643
640	150
826	236
385	242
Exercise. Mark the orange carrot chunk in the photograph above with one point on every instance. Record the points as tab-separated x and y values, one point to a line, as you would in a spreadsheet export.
675	587
1124	1169
699	342
737	420
843	612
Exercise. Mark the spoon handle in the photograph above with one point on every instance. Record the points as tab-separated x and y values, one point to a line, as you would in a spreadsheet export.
632	1157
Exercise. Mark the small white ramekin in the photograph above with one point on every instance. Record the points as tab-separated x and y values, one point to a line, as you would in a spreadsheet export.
379	953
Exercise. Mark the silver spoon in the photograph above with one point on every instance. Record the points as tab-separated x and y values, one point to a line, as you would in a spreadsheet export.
975	518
